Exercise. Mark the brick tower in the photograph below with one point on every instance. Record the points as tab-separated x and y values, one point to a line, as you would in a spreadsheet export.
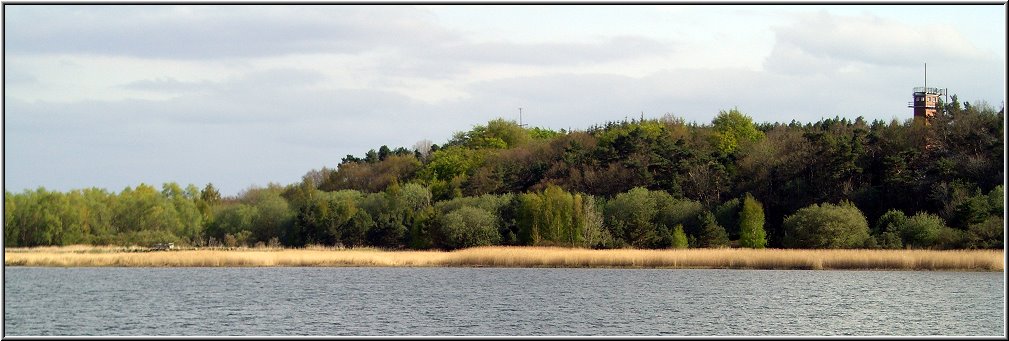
926	100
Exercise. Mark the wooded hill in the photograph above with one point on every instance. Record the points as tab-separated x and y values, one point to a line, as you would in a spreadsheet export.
648	183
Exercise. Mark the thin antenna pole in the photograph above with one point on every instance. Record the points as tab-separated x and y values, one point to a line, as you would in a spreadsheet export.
520	117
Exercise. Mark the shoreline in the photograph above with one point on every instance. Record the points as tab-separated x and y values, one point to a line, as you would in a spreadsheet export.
516	257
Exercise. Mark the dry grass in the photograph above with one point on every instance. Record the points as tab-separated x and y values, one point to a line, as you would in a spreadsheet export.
981	260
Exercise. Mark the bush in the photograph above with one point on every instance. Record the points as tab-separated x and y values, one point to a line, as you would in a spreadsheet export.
986	235
891	221
230	241
826	226
889	240
922	230
467	227
631	215
888	230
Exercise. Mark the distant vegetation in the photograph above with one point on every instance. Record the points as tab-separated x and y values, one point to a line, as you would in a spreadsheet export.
649	183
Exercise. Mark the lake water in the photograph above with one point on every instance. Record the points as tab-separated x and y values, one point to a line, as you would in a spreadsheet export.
498	301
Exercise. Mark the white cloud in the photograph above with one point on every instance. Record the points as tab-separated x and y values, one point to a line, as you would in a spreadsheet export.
181	32
822	42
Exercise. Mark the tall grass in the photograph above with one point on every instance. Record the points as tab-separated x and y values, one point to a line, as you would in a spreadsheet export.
499	256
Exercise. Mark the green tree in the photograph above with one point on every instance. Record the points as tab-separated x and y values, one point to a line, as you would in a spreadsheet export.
497	134
988	234
528	219
826	226
727	215
888	229
467	227
751	224
356	230
713	235
733	129
679	238
11	229
922	230
630	215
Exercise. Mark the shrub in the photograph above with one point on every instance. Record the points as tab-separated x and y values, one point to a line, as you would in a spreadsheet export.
826	226
631	214
888	230
922	230
468	226
889	240
985	235
891	221
230	241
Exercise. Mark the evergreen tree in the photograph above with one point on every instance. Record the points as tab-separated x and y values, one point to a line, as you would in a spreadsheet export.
713	235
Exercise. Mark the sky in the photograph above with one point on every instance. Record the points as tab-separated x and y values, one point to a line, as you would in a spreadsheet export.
241	96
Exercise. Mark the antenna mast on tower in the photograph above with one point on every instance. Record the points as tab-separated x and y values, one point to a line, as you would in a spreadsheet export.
520	118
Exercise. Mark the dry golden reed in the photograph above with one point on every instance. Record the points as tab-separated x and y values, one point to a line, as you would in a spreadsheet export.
501	256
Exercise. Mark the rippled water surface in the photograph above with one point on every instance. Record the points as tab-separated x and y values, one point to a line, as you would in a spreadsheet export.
496	301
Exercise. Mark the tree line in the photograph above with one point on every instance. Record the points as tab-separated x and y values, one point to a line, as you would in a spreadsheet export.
648	183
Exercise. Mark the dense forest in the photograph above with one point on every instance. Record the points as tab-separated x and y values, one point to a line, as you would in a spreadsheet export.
646	183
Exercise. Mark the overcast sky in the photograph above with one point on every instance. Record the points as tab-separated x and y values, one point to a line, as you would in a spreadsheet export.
112	96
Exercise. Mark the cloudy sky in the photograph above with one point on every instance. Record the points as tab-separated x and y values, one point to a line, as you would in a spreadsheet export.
112	96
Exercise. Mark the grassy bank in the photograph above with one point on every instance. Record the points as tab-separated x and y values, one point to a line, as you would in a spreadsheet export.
980	260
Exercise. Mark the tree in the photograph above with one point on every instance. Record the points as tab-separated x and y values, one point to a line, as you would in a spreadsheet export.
594	234
988	234
679	238
371	156
922	230
210	195
727	215
467	227
751	224
355	232
826	226
497	134
733	129
383	152
713	235
11	229
631	214
888	230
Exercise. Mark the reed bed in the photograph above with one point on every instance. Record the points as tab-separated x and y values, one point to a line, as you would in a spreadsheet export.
501	256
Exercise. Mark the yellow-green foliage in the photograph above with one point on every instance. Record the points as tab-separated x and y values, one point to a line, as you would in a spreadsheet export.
501	256
733	129
751	224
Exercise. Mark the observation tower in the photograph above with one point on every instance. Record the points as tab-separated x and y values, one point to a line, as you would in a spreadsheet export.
926	100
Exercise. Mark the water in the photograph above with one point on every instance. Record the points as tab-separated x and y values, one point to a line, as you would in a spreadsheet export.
496	301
